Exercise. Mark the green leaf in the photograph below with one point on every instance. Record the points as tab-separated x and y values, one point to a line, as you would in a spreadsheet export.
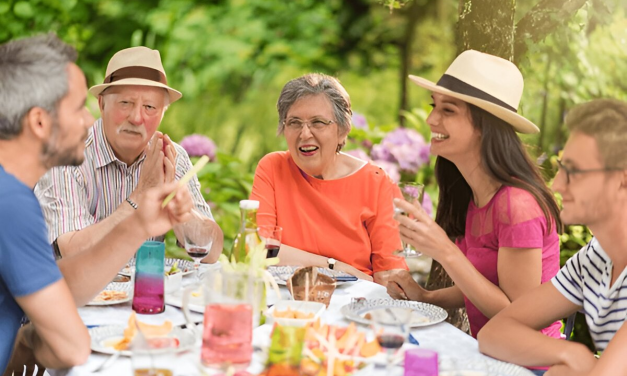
23	9
4	7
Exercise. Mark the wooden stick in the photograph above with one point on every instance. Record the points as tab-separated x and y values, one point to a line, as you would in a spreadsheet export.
187	177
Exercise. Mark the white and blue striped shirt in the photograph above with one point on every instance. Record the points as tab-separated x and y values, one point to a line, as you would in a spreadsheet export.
585	281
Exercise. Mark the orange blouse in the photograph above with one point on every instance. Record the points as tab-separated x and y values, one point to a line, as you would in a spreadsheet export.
348	219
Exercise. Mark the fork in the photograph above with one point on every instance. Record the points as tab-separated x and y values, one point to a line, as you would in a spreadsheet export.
108	362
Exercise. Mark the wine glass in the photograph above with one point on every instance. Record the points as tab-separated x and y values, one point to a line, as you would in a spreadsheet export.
199	237
412	193
391	328
271	236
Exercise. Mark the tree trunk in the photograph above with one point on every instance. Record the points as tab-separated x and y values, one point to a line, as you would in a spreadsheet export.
487	26
439	279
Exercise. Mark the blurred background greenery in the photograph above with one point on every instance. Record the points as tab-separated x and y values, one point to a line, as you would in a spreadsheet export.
230	58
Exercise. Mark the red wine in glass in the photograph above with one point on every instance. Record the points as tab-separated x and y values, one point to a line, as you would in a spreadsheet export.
390	341
273	250
199	253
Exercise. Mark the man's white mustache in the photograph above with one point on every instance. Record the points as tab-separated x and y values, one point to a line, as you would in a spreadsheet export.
139	130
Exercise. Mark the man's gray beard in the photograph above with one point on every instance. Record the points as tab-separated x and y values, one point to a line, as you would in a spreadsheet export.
53	157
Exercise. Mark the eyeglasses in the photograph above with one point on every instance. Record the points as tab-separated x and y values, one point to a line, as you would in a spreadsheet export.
575	171
315	124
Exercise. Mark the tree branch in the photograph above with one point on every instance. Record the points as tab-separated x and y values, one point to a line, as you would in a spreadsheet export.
542	20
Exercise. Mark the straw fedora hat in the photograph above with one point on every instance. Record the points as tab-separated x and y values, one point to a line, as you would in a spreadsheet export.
136	66
489	82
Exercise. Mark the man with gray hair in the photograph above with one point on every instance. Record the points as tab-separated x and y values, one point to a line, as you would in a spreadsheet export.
44	123
125	155
592	181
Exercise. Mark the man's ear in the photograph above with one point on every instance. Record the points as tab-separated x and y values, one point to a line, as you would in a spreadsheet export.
101	103
38	122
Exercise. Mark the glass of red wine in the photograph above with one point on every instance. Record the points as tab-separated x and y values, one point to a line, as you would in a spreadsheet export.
271	236
391	328
199	238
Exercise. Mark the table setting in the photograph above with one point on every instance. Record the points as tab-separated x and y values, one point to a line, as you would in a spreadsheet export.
350	311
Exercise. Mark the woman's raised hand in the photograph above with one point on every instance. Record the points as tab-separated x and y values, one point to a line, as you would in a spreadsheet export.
418	229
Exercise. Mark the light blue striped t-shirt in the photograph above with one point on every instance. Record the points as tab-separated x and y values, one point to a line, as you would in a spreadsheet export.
585	281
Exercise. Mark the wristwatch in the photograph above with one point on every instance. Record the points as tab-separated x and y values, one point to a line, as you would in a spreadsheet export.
331	263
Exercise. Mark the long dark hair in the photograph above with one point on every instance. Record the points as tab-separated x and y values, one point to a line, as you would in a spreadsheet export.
504	157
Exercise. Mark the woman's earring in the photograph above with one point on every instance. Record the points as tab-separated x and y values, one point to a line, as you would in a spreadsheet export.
339	147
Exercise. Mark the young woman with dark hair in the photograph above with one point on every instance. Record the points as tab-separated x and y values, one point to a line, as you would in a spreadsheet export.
496	226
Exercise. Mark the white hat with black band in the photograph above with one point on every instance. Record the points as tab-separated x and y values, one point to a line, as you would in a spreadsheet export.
486	81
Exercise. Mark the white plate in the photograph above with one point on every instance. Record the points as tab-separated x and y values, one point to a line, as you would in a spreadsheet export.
116	286
196	301
102	338
186	266
424	314
282	273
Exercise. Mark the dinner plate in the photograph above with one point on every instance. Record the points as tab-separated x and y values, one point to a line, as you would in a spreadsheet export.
186	266
282	273
424	314
103	338
127	287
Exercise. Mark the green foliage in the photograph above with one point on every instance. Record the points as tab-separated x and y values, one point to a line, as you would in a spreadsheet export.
226	182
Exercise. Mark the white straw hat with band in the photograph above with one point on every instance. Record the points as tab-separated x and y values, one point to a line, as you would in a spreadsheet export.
136	66
486	81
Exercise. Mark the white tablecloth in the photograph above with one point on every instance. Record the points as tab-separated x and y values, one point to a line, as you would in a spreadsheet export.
455	348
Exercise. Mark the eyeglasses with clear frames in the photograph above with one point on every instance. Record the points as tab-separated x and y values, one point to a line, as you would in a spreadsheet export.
315	124
574	171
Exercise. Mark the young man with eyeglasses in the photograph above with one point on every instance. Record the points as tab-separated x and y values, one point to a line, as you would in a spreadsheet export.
592	181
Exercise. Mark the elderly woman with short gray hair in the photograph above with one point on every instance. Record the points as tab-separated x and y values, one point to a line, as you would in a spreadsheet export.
336	210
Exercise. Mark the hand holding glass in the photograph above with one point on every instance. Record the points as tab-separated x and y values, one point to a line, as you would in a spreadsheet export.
412	193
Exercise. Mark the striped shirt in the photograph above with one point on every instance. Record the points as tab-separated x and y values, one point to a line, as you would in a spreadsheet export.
73	198
585	281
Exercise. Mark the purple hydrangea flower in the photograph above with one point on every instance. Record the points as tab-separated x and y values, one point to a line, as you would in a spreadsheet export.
198	145
359	121
358	153
405	147
390	168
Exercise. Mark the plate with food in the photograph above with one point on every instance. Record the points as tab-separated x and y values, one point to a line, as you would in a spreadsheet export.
423	314
172	266
282	273
111	339
114	293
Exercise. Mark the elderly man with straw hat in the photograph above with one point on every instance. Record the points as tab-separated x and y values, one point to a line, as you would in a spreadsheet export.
125	156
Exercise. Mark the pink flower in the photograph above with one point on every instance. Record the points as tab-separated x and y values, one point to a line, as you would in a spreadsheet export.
390	168
359	121
405	147
197	145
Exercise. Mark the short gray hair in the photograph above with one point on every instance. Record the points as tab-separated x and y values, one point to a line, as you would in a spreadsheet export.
312	84
33	73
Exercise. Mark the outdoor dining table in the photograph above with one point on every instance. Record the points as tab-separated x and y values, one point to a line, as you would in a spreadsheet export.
454	347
